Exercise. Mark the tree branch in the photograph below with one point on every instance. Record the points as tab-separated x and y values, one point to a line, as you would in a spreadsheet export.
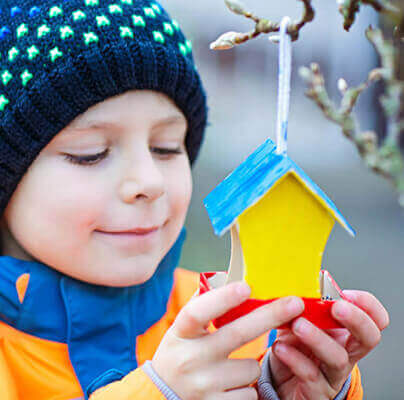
385	159
349	8
262	25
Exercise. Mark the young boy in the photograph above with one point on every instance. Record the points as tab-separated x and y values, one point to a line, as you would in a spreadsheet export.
102	114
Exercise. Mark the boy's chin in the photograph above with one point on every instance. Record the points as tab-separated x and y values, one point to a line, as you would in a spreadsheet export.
124	278
115	277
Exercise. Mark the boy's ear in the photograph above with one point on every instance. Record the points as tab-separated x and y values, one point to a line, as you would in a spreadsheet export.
3	224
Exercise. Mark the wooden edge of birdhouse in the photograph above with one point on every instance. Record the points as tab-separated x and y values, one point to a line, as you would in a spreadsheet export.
235	272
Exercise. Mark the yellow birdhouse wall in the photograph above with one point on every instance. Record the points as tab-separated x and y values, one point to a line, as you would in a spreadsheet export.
283	237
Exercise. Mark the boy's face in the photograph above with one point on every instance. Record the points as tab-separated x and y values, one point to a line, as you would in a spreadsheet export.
63	214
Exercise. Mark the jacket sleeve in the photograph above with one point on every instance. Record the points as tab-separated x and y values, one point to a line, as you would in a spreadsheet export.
135	385
8	388
355	390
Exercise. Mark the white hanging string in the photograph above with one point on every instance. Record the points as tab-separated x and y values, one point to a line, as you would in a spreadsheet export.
284	75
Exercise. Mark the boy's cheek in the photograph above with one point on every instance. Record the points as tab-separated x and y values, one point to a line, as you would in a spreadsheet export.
180	186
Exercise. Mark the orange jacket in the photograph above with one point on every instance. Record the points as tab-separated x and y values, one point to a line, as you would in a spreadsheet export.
34	368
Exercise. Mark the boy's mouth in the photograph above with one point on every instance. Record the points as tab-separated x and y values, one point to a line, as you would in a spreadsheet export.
141	239
137	231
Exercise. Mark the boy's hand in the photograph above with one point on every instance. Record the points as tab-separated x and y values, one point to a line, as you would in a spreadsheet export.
194	363
309	363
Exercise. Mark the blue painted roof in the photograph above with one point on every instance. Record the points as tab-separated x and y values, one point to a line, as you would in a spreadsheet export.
251	180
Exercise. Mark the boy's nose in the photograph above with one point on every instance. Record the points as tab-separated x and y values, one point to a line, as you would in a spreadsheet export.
142	180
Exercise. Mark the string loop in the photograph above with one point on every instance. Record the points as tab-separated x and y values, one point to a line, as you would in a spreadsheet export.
284	75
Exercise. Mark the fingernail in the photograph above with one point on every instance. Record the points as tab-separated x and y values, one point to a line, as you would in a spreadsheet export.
350	294
280	348
301	326
295	305
341	309
243	289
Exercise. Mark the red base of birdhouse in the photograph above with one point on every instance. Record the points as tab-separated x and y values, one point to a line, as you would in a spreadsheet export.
317	311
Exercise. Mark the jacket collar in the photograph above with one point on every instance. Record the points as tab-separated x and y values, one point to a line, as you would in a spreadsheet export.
98	323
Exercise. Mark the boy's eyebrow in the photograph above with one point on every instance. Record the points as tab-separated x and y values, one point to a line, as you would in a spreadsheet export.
102	125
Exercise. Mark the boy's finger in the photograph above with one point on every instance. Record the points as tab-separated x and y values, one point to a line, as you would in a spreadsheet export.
293	340
300	365
333	356
361	326
194	317
341	335
371	305
254	324
280	372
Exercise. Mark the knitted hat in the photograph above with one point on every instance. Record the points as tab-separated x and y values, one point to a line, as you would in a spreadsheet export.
58	58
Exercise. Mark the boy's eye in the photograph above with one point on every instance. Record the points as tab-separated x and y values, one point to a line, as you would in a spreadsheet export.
164	151
95	158
87	159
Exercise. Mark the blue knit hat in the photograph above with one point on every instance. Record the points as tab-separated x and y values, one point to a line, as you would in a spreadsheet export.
58	58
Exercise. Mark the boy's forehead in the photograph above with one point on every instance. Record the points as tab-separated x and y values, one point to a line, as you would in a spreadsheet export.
150	107
87	125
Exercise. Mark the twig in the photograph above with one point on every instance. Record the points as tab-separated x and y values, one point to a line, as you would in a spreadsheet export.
262	25
349	8
385	159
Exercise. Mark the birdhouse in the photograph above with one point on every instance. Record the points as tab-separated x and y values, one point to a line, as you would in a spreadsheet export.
280	221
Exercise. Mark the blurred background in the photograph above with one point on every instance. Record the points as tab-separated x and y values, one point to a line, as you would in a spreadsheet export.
241	84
